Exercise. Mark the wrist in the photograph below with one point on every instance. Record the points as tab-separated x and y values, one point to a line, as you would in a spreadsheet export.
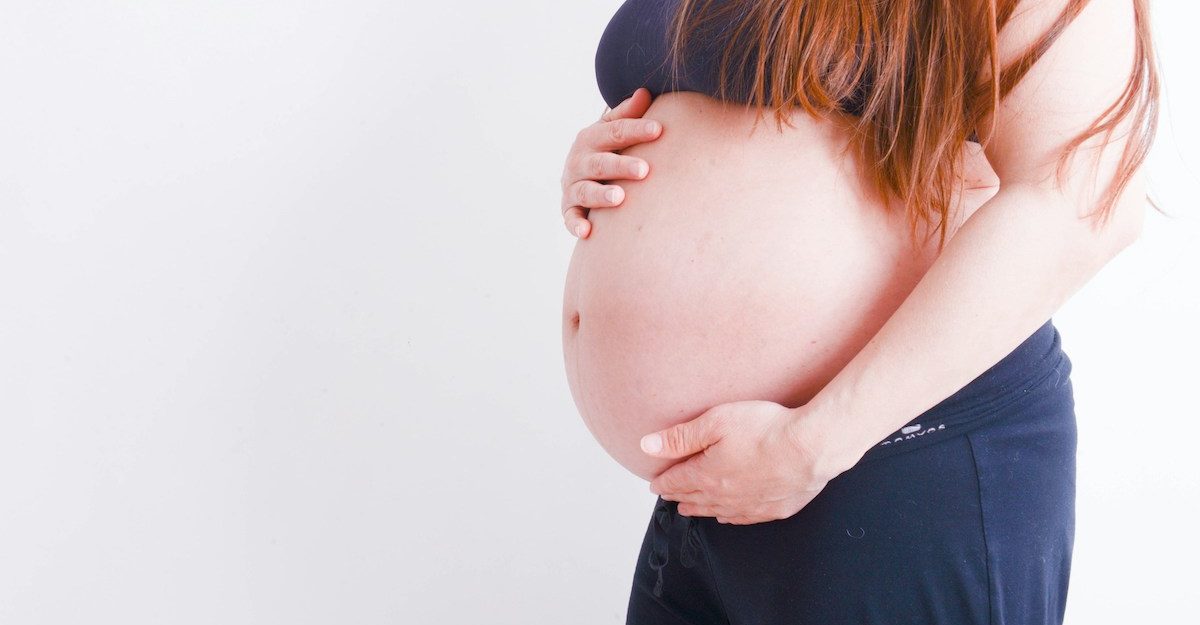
829	445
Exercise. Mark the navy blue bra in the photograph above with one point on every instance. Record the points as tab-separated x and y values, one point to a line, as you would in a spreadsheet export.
633	53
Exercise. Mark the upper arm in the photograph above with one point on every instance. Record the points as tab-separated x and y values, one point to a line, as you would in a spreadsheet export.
1082	74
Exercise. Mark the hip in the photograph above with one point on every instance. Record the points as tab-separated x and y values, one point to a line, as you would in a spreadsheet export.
969	518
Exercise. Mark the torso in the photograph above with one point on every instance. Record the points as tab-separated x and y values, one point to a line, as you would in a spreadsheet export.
743	267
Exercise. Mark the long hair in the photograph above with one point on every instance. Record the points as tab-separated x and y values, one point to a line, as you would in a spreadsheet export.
924	72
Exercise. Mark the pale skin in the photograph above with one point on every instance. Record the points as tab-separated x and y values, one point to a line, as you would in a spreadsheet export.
1026	250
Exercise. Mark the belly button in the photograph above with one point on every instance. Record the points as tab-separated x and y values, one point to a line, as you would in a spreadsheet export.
575	320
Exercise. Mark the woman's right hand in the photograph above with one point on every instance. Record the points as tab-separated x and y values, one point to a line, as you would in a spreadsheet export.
593	161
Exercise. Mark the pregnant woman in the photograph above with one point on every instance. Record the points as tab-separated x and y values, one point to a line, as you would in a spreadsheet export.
826	341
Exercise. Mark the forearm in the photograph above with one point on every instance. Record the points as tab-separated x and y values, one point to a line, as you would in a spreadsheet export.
1002	275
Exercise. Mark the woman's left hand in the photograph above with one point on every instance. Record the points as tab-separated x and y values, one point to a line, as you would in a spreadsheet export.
754	461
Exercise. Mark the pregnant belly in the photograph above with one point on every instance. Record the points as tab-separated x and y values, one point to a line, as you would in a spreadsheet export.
743	267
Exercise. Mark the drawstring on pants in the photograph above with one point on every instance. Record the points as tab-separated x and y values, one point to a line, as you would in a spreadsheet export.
665	512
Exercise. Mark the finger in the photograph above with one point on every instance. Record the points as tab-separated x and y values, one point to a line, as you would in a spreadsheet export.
619	133
686	438
576	221
684	477
737	520
691	509
633	106
607	166
693	497
592	194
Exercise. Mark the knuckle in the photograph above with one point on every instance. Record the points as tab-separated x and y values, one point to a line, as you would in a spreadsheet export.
580	193
677	438
595	166
718	424
617	131
609	165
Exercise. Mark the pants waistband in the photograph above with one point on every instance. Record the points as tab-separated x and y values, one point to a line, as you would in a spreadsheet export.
1037	358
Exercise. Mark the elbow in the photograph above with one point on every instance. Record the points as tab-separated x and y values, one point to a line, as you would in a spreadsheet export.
1117	233
1129	234
1128	216
1102	243
1094	249
1100	236
1110	227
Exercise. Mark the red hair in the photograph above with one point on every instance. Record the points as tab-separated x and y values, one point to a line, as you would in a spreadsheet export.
923	80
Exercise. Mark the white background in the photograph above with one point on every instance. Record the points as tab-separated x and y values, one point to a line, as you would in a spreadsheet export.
280	286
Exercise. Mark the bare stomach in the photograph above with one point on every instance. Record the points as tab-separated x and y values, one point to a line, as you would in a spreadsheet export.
743	267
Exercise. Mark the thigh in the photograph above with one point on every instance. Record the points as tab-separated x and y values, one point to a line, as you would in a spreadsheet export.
895	540
1026	467
976	528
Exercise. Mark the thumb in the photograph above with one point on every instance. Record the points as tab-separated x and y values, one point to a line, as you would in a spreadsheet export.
683	439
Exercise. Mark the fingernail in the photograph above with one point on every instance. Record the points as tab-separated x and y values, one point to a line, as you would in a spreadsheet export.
611	195
579	228
651	127
652	443
642	170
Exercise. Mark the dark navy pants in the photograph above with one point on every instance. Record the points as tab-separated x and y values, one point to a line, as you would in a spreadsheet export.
966	515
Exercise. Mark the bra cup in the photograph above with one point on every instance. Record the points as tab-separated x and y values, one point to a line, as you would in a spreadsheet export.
632	53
